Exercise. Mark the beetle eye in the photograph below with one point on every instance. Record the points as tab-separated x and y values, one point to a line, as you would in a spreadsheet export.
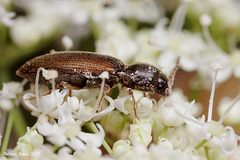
162	86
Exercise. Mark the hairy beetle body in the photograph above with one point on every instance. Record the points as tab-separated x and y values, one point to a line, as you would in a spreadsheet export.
82	70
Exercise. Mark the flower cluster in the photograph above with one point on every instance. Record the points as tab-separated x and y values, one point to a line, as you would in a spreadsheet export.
100	123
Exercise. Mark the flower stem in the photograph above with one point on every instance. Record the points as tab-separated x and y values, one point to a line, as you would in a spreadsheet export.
19	123
206	149
164	131
8	129
92	125
204	141
55	148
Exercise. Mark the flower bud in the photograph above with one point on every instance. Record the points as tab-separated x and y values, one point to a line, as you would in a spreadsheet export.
113	122
140	132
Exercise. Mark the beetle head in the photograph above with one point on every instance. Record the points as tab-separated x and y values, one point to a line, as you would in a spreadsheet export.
162	85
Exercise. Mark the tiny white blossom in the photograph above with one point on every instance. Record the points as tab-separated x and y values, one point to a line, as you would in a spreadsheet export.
47	103
122	149
140	132
233	115
10	91
30	141
228	142
167	112
144	11
164	150
113	122
49	74
205	20
234	56
6	104
187	45
67	42
145	107
6	17
115	40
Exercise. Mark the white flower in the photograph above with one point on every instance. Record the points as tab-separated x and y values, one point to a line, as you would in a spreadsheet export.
10	91
228	142
45	152
234	56
6	104
197	127
144	11
209	59
47	103
67	42
49	74
179	138
115	40
70	133
6	17
164	149
140	132
121	149
187	45
86	113
30	141
125	104
24	33
113	122
170	109
53	132
144	108
233	115
85	141
146	52
121	105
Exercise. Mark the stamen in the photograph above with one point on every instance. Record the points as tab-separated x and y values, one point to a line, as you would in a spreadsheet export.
103	76
179	17
210	108
36	86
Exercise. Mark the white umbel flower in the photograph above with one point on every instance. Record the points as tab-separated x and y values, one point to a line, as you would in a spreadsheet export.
140	132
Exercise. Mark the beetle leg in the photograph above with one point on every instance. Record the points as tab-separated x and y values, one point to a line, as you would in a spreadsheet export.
173	74
48	93
99	108
144	94
70	92
110	92
130	92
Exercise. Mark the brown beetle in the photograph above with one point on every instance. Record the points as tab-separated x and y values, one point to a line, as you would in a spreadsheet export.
77	69
82	69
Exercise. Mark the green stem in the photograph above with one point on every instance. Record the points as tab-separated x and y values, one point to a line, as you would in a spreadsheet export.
55	148
8	129
95	130
19	123
4	76
133	23
94	30
206	152
202	143
164	131
34	127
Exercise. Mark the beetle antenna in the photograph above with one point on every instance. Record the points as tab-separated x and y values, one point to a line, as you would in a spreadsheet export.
173	74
